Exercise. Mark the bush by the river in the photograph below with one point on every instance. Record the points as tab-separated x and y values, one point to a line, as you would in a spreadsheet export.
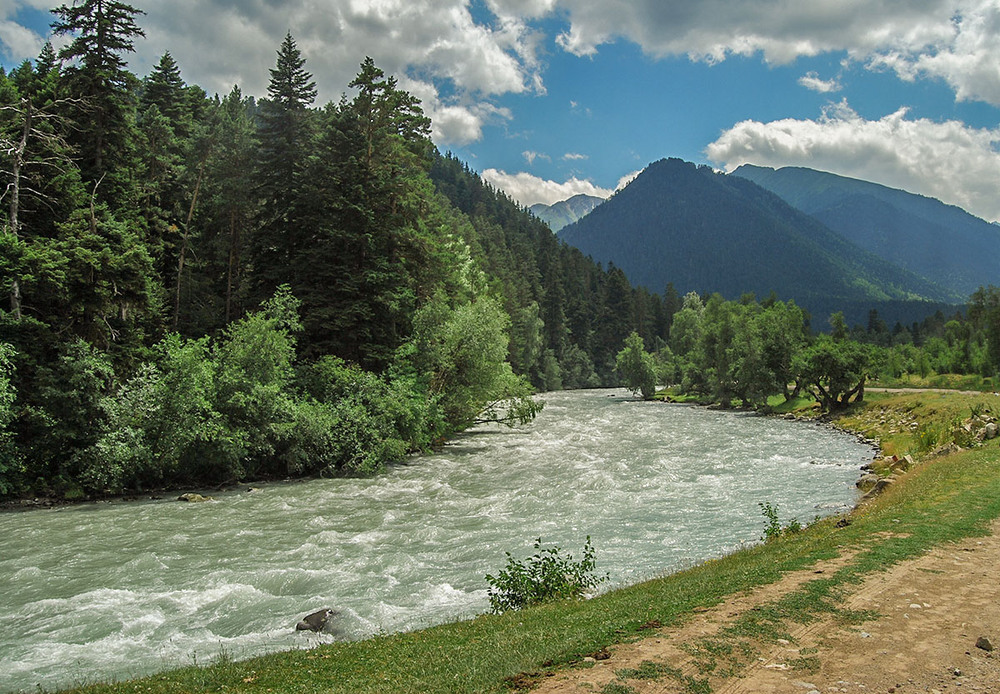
545	575
239	407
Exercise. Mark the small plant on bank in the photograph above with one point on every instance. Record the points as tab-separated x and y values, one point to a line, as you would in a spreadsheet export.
773	527
545	575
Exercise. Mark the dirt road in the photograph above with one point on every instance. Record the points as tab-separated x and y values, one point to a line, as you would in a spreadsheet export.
927	616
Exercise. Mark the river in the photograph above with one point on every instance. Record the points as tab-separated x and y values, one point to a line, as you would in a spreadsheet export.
115	590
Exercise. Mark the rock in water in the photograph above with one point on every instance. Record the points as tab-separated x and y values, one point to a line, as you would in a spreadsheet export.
192	497
315	621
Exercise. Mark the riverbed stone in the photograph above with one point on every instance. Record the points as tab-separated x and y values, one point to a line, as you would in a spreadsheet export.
316	621
878	488
193	498
867	482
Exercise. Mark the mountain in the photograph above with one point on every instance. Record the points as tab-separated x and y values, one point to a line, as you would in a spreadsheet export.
709	232
566	211
956	249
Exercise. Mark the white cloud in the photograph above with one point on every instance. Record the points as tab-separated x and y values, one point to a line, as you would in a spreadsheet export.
813	82
946	160
574	156
530	156
17	41
954	40
529	189
462	64
626	179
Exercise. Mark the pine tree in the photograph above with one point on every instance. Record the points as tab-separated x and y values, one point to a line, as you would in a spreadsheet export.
102	30
286	135
165	89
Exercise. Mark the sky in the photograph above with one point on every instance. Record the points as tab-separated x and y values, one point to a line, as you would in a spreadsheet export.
550	98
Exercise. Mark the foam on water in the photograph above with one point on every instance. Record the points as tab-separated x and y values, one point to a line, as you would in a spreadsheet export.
109	591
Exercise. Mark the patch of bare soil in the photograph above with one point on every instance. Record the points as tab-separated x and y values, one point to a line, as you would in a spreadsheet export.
931	612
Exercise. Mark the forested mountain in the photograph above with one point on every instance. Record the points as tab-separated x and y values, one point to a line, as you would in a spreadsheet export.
945	243
569	315
708	232
203	289
565	212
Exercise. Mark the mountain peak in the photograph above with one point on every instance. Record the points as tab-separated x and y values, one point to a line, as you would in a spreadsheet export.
567	211
706	231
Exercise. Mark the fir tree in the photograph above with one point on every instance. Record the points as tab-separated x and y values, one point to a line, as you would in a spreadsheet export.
103	31
285	135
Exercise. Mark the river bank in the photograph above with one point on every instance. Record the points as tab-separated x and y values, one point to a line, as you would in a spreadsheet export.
120	590
943	500
898	611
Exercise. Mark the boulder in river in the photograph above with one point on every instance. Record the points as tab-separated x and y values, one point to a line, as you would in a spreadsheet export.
192	497
316	621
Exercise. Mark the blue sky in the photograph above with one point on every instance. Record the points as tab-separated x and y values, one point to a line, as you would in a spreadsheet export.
548	98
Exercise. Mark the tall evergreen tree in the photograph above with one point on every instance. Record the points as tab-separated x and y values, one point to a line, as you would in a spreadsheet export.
103	31
230	204
165	89
286	134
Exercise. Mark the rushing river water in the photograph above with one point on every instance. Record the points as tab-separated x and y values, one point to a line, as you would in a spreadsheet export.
108	591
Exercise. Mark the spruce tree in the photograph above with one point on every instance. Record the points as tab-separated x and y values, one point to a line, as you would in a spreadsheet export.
285	136
165	89
103	31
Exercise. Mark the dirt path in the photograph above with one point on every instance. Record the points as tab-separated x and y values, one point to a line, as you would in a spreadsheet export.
931	612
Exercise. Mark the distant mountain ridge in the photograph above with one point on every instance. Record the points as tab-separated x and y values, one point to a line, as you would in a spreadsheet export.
945	243
709	232
565	212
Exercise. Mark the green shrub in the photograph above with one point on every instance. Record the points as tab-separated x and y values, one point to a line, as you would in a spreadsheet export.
773	529
545	575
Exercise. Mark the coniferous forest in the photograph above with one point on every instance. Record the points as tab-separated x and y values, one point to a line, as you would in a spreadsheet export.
203	289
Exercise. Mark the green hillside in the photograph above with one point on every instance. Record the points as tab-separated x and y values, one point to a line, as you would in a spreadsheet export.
956	249
709	232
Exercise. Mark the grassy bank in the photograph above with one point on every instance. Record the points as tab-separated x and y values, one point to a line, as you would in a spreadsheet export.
943	498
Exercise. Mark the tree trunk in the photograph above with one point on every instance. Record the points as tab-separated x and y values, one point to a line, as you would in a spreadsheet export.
15	198
234	240
184	241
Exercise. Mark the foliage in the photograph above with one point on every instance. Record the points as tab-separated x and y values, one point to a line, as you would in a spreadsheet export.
10	464
773	528
836	370
460	352
636	368
546	575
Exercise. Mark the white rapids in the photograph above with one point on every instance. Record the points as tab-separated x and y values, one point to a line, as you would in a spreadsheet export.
108	591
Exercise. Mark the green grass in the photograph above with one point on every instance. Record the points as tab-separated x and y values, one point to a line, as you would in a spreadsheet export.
933	380
939	501
779	405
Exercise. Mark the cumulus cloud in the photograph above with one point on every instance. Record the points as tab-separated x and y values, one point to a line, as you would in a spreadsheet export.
574	156
529	189
946	160
457	64
812	81
19	41
954	40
